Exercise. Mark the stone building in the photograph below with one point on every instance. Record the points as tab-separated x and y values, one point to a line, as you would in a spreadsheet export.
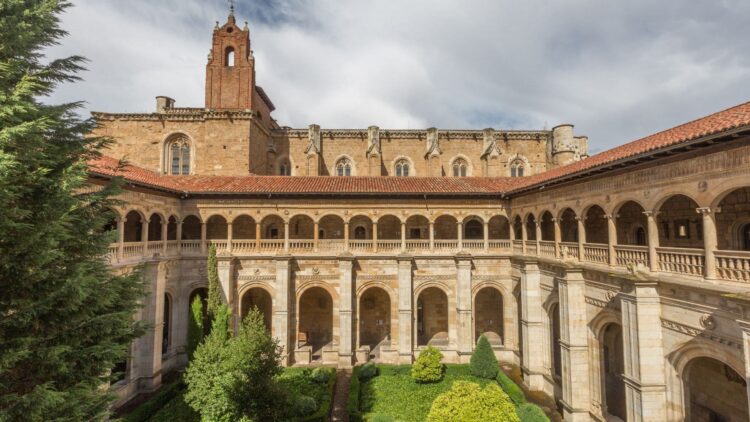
617	282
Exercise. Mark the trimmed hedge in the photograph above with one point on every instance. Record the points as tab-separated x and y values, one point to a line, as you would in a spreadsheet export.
483	361
428	367
511	388
468	402
367	371
529	412
352	405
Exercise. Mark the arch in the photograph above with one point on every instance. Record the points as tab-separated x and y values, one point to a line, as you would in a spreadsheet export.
331	226
679	224
133	230
595	225
555	335
201	292
344	166
403	167
473	227
172	228
178	159
530	227
154	227
374	318
216	227
272	227
432	317
631	224
460	166
360	227
517	228
243	227
315	324
733	222
568	225
191	228
389	227
301	226
612	369
489	315
518	166
446	227
547	226
260	298
499	227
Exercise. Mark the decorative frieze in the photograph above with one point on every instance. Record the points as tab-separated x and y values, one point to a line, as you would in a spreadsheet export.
701	332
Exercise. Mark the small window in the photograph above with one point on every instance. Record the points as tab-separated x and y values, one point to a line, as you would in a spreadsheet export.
178	151
344	167
402	168
285	168
517	168
460	167
229	57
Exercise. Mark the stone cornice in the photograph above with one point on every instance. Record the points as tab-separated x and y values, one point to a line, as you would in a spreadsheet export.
196	114
513	135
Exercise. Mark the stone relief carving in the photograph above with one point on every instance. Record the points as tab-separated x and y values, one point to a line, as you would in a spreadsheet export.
696	332
708	322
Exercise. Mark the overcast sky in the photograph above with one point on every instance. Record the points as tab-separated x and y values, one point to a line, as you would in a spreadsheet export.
616	70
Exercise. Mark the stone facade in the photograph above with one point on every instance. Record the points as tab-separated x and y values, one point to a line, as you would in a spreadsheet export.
623	293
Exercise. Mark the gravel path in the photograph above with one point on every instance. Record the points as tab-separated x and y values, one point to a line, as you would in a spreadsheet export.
341	396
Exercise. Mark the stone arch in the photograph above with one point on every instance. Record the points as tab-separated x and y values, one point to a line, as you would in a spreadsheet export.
374	306
217	227
172	227
473	227
331	226
257	297
499	227
301	226
489	314
315	325
733	222
446	227
547	226
154	226
595	224
678	223
631	225
191	227
568	225
530	222
389	227
360	227
167	322
243	227
133	230
272	227
433	319
199	290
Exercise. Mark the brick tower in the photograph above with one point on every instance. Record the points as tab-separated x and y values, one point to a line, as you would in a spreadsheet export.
230	72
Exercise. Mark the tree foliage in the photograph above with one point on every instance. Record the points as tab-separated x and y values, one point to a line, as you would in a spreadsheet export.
483	362
234	378
195	326
214	288
428	367
65	318
468	402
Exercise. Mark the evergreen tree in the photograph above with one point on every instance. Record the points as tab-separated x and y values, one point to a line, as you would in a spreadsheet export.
65	318
214	289
483	362
195	326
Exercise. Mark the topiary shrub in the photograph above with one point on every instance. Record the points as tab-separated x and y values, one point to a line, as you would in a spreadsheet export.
304	405
483	362
468	402
367	371
428	367
511	388
529	412
321	375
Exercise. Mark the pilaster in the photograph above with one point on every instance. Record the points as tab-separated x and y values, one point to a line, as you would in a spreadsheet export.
405	309
146	363
346	263
574	346
281	306
463	306
532	364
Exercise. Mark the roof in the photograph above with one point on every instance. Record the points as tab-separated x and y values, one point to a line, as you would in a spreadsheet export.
717	123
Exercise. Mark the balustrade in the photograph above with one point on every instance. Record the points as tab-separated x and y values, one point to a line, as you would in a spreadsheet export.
595	252
681	260
627	254
569	250
417	245
473	245
733	265
547	248
518	246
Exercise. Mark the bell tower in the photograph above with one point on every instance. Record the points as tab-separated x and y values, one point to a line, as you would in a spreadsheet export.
230	72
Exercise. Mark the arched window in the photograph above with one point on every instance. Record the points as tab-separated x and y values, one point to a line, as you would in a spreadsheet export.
178	156
285	168
517	168
402	167
229	57
344	167
460	167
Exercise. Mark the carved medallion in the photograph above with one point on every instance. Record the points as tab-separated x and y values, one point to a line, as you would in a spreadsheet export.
708	322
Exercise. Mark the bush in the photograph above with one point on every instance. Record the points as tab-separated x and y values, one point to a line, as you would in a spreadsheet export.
304	405
468	402
529	412
367	371
428	368
483	362
321	375
511	388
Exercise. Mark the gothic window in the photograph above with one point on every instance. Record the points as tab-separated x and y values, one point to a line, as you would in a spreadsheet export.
460	167
344	167
402	168
517	168
229	57
178	156
285	168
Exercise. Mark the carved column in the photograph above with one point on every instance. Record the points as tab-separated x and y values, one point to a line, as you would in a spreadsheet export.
532	329
574	346
286	236
374	236
179	236
709	240
346	235
258	229
281	304
229	237
403	236
460	230
463	306
581	237
346	299
146	359
316	235
486	235
203	236
405	309
653	240
164	226
558	237
120	237
643	350
432	235
538	228
144	236
611	238
524	237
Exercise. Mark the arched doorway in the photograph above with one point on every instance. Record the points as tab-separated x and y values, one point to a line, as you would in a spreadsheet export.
432	318
257	297
613	367
374	319
714	392
488	315
315	320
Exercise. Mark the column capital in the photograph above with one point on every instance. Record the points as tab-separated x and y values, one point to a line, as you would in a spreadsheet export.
611	216
707	210
555	220
651	214
579	218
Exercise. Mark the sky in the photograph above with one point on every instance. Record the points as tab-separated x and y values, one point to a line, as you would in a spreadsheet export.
617	70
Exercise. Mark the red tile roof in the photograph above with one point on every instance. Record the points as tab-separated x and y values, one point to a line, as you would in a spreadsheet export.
722	121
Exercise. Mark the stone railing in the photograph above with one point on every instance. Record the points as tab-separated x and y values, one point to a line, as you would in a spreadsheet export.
596	252
569	250
681	260
629	254
547	248
733	265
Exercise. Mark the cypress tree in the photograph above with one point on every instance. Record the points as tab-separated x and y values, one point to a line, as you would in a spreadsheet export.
214	290
65	318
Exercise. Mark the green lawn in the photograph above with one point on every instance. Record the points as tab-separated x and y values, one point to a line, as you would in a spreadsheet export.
394	393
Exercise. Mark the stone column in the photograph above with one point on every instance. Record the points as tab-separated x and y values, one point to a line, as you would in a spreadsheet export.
403	236
460	230
745	326
574	346
203	237
709	240
463	306
643	351
405	309
179	236
281	306
316	235
581	236
258	229
286	236
611	239
538	226
374	236
346	299
532	329
653	240
144	236
164	226
432	235
346	235
558	237
524	237
146	359
120	237
486	235
229	237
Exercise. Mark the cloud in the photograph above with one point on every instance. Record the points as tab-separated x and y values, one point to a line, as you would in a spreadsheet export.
617	70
